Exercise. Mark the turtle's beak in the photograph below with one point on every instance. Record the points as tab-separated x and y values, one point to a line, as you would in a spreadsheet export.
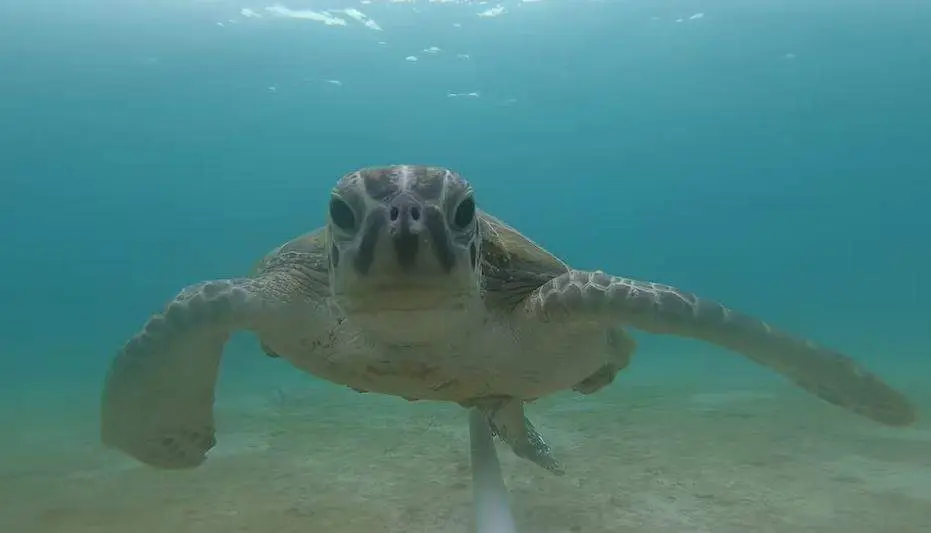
406	228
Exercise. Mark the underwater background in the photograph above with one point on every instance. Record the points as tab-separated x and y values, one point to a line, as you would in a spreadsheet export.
772	155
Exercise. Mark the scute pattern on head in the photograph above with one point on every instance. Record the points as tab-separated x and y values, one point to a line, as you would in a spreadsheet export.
381	183
384	182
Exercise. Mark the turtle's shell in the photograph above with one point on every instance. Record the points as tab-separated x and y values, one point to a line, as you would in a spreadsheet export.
513	266
309	249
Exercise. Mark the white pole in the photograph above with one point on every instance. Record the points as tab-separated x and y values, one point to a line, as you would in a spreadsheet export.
489	494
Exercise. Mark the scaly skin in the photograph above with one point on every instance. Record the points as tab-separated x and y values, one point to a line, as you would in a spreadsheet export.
157	403
656	308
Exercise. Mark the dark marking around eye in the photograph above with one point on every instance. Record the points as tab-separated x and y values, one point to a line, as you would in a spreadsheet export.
441	246
341	214
465	213
334	255
366	254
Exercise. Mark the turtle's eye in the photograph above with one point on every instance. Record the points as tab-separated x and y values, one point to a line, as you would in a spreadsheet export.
465	213
341	214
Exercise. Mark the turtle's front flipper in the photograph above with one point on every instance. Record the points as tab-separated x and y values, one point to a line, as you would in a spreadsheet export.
507	421
598	297
157	403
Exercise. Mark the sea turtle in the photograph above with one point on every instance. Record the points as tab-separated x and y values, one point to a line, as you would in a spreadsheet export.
411	290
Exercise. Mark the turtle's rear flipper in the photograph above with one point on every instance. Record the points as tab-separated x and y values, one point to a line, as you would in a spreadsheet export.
157	403
507	421
621	348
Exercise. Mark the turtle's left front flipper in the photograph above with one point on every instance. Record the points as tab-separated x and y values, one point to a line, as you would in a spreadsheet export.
613	301
507	421
157	402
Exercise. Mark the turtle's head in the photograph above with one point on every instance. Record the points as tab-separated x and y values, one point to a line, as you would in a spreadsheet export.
404	251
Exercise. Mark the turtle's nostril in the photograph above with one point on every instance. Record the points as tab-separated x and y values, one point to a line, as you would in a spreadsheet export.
405	214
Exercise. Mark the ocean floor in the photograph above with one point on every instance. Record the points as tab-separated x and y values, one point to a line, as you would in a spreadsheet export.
656	458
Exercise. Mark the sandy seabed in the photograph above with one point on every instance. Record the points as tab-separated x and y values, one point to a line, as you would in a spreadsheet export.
657	459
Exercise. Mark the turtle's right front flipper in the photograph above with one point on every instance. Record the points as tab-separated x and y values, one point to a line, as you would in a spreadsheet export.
157	403
595	297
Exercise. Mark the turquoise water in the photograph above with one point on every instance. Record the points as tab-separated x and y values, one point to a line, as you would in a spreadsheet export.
772	156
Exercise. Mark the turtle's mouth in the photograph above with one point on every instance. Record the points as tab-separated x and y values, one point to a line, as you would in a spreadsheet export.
402	297
405	315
